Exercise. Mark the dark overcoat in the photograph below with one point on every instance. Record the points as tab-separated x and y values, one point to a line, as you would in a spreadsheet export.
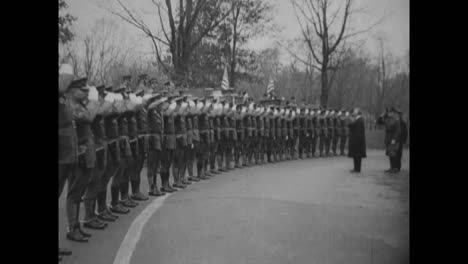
357	139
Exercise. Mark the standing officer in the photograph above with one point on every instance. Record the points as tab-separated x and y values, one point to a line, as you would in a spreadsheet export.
315	129
357	140
284	134
85	105
254	141
271	137
403	138
267	134
392	137
68	142
309	131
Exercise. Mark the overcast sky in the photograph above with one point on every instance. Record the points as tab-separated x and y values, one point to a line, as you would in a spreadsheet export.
395	26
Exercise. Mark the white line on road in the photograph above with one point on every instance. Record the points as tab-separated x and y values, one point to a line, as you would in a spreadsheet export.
125	252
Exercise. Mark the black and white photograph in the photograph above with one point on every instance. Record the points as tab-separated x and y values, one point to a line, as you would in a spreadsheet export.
234	132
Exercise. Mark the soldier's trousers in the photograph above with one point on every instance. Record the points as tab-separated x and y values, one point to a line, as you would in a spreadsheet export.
167	159
91	192
65	172
120	179
180	157
135	179
215	154
322	140
191	155
303	144
228	151
77	183
109	172
342	144
328	141
238	152
154	161
252	149
245	150
221	152
314	144
202	155
335	143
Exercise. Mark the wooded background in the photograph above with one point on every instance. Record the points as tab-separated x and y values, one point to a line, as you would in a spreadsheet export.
197	39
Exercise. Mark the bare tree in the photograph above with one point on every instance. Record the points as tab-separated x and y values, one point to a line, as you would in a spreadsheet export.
325	25
188	25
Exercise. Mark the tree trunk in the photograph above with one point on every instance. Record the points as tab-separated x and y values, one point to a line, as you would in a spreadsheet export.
324	88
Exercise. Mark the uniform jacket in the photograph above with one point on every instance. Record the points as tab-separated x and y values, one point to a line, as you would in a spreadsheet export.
155	129
169	137
239	127
84	115
68	141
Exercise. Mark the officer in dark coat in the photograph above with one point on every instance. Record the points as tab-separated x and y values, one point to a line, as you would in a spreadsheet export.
357	140
68	142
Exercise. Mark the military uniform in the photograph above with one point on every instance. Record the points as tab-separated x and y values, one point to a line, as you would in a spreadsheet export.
392	136
248	137
83	115
192	128
168	147
343	132
155	140
238	150
260	145
336	134
232	138
329	137
295	142
205	140
254	141
180	151
303	137
323	133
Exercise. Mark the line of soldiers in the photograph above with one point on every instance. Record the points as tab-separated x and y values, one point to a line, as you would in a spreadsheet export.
106	135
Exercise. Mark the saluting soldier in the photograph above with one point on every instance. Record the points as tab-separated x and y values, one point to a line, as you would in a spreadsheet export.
193	136
168	143
181	145
336	131
303	137
205	133
133	104
296	128
315	129
248	135
155	144
85	106
232	135
329	122
309	131
238	150
215	150
111	138
323	131
224	132
260	133
272	133
278	134
267	136
97	128
68	141
141	119
284	133
343	130
128	147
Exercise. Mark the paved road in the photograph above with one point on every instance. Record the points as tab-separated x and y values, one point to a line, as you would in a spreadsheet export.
303	211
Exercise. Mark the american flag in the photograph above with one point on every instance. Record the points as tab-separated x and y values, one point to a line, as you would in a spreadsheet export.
270	87
225	82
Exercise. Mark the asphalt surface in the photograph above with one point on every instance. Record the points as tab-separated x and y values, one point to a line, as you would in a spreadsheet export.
301	211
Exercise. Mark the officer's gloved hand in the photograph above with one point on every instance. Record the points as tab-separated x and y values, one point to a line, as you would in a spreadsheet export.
109	97
93	94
